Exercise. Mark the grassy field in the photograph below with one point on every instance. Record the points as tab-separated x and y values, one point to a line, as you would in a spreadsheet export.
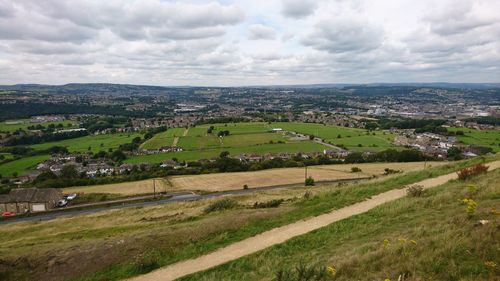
95	142
489	138
235	181
21	165
427	238
5	127
124	188
304	146
352	138
256	137
133	241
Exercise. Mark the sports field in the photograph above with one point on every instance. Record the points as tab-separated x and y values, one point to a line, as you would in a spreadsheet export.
489	138
94	143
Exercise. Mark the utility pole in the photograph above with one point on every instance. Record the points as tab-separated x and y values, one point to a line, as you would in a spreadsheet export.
154	188
305	175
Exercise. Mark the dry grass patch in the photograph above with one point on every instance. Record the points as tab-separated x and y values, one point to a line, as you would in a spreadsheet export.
233	181
123	188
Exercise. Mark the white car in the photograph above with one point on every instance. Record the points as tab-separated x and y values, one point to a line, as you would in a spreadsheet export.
62	203
70	197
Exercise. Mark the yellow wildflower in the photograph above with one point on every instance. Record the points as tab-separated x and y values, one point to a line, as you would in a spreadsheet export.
490	264
332	270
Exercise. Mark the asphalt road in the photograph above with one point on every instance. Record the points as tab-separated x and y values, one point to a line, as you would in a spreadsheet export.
174	199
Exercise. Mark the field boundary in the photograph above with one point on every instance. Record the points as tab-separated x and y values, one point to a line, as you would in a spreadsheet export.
281	234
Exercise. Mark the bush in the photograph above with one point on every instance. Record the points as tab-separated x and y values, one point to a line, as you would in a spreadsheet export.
221	205
388	171
355	170
473	171
309	181
269	204
415	191
245	186
303	273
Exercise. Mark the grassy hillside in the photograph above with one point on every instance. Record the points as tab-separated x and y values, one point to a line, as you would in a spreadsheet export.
96	143
134	241
303	146
21	165
489	138
7	127
431	237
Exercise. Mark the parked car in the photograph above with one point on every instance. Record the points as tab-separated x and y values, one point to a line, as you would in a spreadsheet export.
8	214
70	197
62	203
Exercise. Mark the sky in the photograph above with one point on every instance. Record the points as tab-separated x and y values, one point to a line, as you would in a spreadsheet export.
249	42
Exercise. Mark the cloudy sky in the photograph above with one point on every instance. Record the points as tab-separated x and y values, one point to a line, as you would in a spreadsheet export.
249	42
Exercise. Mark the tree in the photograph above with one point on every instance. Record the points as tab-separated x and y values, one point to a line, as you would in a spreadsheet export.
311	137
455	153
309	181
45	175
69	172
224	154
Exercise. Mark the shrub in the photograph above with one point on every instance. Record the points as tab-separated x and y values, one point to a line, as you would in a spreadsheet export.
307	194
303	273
221	205
415	191
471	205
309	181
245	186
355	170
473	171
388	171
269	204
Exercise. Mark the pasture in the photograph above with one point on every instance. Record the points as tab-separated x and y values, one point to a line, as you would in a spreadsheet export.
23	124
257	138
193	155
22	165
488	138
94	143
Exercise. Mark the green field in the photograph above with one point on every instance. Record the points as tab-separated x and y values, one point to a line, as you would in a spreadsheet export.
5	127
21	165
256	137
352	138
159	140
304	146
95	142
489	138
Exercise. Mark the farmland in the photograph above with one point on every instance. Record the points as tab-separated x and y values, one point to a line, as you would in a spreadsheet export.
353	139
174	232
257	138
488	138
23	124
304	146
94	143
21	165
235	181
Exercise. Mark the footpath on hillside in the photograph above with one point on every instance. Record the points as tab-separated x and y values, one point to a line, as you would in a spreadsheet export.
281	234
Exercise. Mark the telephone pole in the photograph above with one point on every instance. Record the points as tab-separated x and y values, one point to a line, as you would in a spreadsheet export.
305	174
154	188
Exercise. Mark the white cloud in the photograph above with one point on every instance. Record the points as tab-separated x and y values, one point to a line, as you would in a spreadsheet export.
260	31
244	42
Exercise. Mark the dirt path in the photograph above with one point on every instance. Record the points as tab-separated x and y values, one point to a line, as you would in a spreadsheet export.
175	141
281	234
185	132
